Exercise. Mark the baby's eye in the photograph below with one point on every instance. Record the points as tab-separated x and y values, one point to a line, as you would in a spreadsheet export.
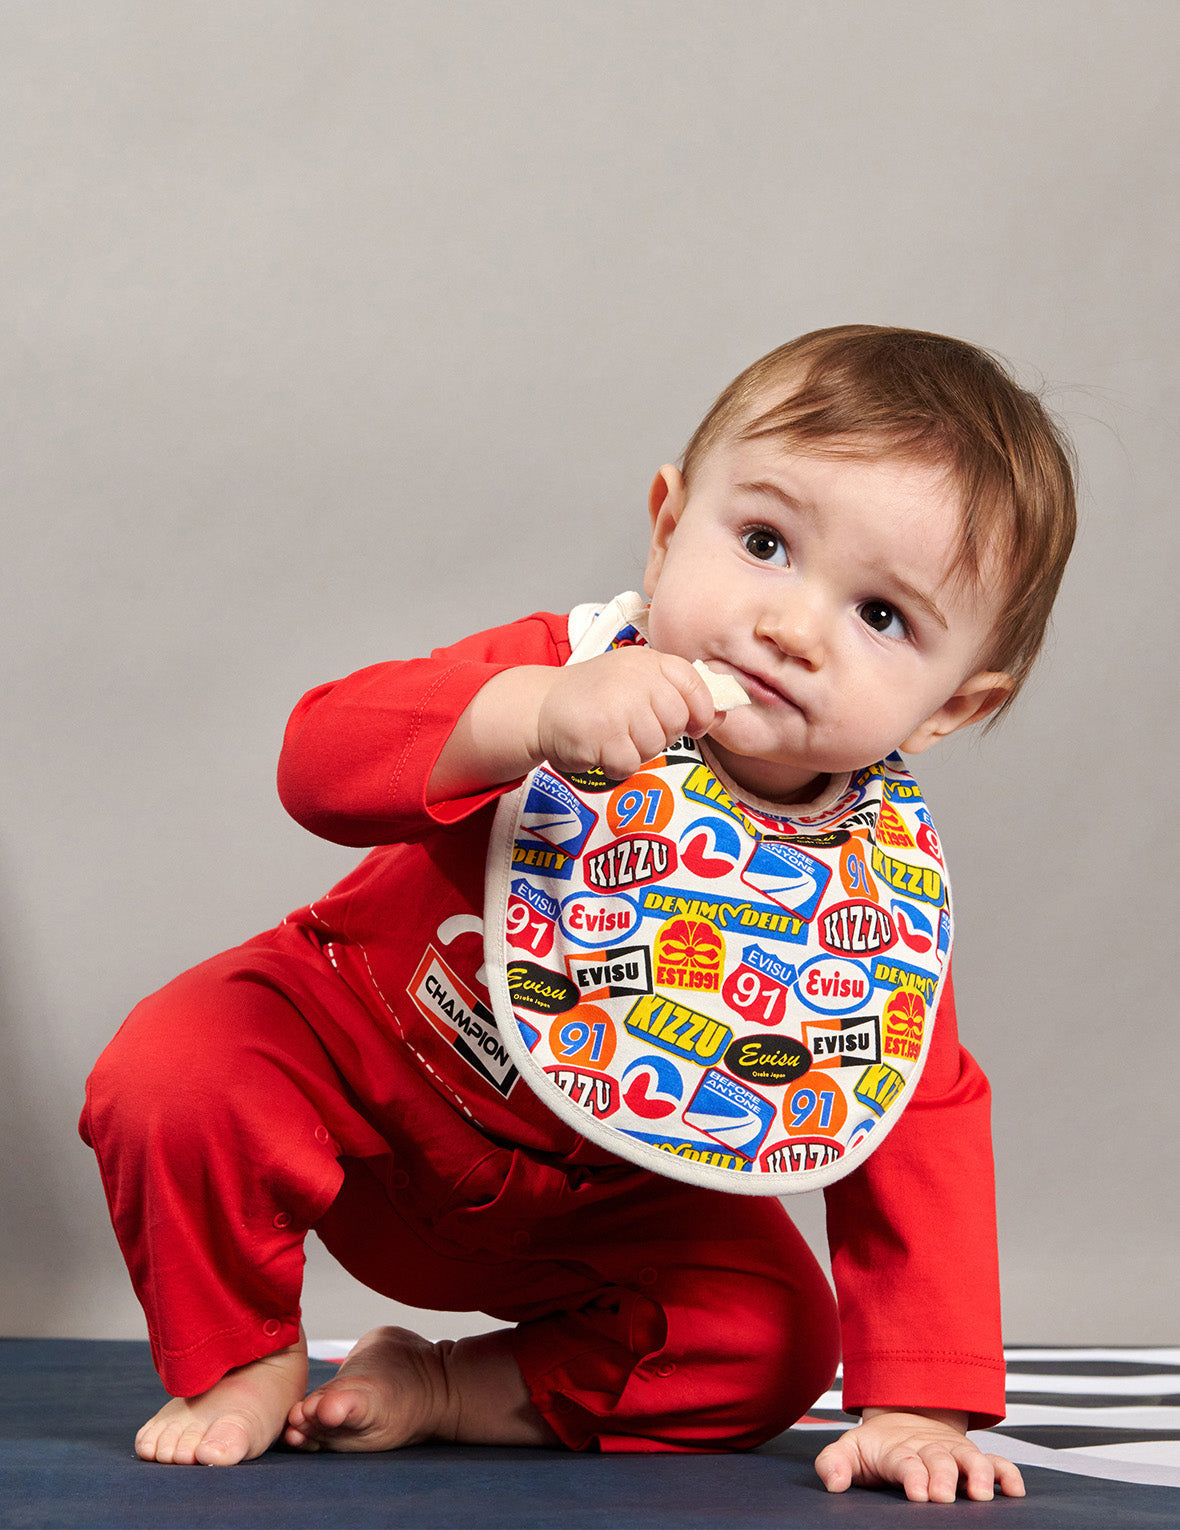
765	545
882	618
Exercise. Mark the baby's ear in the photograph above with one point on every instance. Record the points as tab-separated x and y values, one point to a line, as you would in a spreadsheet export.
974	700
665	503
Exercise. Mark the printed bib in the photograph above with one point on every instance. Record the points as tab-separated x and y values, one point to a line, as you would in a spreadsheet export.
716	992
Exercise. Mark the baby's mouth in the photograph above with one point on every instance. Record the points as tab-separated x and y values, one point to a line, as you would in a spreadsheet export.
764	691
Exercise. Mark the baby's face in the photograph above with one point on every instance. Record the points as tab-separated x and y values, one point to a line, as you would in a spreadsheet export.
820	583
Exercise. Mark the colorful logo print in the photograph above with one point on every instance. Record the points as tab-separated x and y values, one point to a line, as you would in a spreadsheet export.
598	921
652	1087
832	986
555	813
710	847
689	953
914	928
677	1029
729	1113
787	876
904	1019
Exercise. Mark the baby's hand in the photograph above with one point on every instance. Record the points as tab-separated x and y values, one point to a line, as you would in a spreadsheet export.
924	1453
620	709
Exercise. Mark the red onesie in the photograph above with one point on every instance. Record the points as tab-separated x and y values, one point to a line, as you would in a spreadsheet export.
325	1075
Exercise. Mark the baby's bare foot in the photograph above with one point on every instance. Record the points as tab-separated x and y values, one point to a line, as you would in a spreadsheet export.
390	1391
235	1420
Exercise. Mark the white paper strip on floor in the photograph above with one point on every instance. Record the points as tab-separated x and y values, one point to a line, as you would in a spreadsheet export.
1075	1462
1147	1452
1023	1414
1052	1413
1108	1386
1131	1356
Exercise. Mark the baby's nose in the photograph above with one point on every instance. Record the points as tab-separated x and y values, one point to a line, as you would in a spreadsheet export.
796	627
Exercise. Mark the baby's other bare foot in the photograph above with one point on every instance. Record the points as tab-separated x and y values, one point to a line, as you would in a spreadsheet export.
390	1391
235	1420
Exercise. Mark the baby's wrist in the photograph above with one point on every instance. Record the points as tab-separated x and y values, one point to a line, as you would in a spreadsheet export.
513	711
497	736
954	1419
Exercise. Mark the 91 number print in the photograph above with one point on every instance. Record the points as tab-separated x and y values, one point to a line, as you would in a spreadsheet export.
755	996
528	929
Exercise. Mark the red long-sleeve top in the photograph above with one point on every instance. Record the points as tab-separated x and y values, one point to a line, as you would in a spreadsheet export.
912	1232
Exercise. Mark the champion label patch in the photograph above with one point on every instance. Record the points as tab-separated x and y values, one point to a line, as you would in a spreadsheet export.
462	1020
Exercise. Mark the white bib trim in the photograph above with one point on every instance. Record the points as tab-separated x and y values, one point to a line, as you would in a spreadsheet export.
717	991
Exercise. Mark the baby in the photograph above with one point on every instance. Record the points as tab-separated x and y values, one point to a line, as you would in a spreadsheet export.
521	1059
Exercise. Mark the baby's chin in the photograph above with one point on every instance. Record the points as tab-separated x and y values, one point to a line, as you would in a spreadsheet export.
779	781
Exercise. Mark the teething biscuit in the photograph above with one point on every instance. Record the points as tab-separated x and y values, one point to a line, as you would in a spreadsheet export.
724	689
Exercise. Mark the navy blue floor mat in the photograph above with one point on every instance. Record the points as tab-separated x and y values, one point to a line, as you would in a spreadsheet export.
69	1410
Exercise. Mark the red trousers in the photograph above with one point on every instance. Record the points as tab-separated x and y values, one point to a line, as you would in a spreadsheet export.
229	1118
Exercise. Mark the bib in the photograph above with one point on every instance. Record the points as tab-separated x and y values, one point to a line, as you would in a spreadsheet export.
704	986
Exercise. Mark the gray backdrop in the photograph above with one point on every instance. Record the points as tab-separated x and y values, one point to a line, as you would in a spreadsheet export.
334	330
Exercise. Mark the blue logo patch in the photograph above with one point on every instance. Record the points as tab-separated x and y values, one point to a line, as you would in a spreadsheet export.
539	902
553	812
729	1113
529	1033
652	1087
789	876
914	927
890	974
768	964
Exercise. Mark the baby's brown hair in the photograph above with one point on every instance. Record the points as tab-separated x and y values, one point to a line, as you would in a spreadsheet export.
866	390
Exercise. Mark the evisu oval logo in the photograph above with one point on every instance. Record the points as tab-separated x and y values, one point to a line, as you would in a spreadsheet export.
535	988
768	1059
598	921
832	987
856	928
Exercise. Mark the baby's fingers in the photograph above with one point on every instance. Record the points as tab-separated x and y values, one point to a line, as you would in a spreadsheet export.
677	702
980	1474
834	1467
935	1478
692	693
622	754
1007	1476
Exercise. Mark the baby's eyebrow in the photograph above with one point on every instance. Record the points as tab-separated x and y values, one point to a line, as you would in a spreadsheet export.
912	593
775	490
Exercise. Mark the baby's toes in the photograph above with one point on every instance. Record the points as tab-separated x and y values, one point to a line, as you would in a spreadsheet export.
334	1407
224	1443
173	1440
300	1428
147	1441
